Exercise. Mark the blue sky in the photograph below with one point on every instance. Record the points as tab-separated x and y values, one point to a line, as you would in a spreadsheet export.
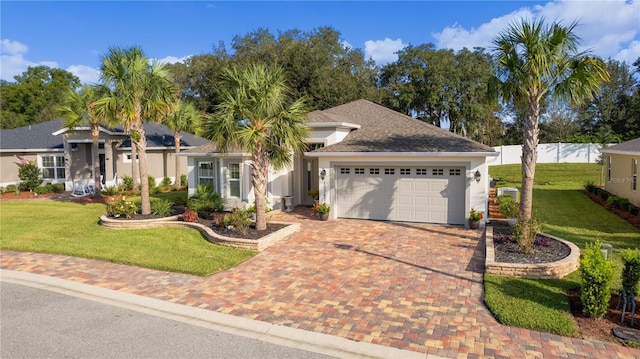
74	34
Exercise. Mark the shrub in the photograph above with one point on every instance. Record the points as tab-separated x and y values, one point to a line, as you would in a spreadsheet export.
612	201
526	238
508	206
603	194
630	270
110	191
190	215
166	181
184	182
29	175
161	207
2	190
11	188
596	273
47	188
239	220
635	210
58	187
206	199
153	187
590	186
122	207
127	183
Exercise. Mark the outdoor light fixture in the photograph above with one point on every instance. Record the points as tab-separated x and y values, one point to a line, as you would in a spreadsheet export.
323	174
476	176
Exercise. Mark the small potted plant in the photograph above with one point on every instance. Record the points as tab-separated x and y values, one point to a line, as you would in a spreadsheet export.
322	209
474	218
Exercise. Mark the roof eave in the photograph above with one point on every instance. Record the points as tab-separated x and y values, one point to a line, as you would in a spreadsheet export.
405	154
341	125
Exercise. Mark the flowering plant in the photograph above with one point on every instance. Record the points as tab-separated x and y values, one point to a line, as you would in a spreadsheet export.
314	194
475	216
123	207
321	208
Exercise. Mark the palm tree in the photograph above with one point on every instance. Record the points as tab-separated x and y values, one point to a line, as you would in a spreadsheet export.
77	109
185	117
536	63
257	115
138	91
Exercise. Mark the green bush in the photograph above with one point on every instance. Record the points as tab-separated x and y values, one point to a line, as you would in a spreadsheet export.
127	183
635	210
11	188
603	194
161	207
612	201
153	187
590	186
3	190
239	220
47	188
524	238
58	187
508	206
29	175
631	269
122	207
206	199
110	190
166	181
596	273
184	182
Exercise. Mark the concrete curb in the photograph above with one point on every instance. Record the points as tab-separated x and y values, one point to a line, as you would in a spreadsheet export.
267	332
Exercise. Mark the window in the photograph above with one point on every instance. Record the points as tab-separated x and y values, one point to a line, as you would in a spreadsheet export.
421	171
374	171
359	171
389	171
609	169
344	171
634	175
233	177
405	171
206	173
52	167
438	172
127	158
454	172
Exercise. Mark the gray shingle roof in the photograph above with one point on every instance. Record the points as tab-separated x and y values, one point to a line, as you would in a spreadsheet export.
34	137
40	136
385	130
630	147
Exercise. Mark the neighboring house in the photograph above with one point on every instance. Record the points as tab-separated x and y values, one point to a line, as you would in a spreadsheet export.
622	170
367	162
64	154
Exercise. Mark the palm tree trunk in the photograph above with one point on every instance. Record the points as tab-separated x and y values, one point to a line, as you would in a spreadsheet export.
529	157
135	167
260	167
176	139
95	133
141	144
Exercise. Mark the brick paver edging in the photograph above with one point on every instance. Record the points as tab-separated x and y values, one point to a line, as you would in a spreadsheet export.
553	270
258	245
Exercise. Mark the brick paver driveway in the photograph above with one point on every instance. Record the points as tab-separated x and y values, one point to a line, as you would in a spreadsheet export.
411	286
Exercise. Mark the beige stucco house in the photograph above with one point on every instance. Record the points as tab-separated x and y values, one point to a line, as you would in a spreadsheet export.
64	154
621	161
367	162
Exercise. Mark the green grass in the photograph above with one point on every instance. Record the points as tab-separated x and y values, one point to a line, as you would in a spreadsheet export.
73	229
566	213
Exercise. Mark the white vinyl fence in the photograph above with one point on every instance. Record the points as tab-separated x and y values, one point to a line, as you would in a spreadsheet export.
549	153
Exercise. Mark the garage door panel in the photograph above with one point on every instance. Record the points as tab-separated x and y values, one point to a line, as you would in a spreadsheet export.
393	194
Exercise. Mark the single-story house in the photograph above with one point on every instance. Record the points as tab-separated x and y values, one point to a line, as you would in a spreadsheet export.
367	162
64	154
622	170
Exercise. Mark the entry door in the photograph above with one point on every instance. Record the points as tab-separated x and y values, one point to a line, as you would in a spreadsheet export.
310	178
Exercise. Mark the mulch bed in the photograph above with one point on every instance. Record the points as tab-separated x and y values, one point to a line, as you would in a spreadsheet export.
544	250
634	220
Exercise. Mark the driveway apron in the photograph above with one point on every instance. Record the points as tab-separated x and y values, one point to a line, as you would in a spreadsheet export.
406	285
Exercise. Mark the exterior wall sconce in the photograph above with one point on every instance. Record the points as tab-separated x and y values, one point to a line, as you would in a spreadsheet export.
323	174
476	176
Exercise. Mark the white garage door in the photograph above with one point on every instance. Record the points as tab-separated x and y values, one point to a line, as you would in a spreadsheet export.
413	194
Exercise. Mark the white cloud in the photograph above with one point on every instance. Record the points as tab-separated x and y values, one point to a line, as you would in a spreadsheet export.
13	62
173	59
383	51
609	28
346	45
86	74
630	54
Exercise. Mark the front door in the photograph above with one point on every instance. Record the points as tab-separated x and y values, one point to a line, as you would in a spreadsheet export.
310	179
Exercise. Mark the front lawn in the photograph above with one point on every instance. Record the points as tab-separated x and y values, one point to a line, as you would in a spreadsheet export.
72	229
569	214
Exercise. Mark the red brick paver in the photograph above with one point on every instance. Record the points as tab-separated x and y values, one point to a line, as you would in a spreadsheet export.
410	286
